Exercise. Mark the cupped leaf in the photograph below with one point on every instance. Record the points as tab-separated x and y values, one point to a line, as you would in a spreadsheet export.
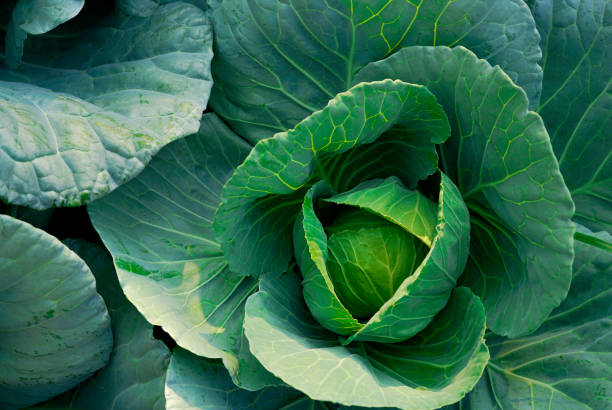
311	254
577	100
84	115
435	369
279	61
55	331
35	17
390	200
500	157
253	223
197	383
135	374
369	257
567	362
423	294
420	297
158	228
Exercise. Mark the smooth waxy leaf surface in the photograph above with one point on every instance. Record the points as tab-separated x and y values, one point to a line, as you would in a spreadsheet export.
55	331
368	258
576	102
279	61
253	224
500	157
410	209
197	383
567	362
430	371
419	297
158	228
35	17
80	120
135	374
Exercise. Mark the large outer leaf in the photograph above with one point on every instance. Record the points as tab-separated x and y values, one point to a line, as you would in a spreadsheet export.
55	331
134	377
253	224
576	100
158	229
197	383
35	17
500	157
86	114
277	61
429	371
567	362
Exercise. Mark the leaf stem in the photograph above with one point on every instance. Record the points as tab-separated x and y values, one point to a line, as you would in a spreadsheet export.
593	241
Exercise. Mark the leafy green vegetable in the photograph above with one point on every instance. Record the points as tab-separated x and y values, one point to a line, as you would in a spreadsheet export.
78	120
197	383
35	17
427	372
384	205
566	362
158	228
577	100
368	260
134	376
500	157
279	61
56	331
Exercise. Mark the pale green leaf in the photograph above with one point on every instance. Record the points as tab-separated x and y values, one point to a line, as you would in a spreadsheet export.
197	383
158	227
135	374
426	372
55	331
83	115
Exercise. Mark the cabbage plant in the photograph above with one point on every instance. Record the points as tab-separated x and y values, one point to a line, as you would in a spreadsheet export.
388	204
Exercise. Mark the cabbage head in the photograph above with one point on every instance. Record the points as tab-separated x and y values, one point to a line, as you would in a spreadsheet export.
374	214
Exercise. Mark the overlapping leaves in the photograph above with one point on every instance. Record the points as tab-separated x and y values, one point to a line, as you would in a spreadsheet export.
79	120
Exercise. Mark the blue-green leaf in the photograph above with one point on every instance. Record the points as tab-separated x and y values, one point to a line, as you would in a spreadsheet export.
35	17
55	331
576	100
158	228
279	61
197	383
567	362
83	115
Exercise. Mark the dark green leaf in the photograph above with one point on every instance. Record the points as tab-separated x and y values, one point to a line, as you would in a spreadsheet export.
500	157
576	102
253	223
276	62
567	362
